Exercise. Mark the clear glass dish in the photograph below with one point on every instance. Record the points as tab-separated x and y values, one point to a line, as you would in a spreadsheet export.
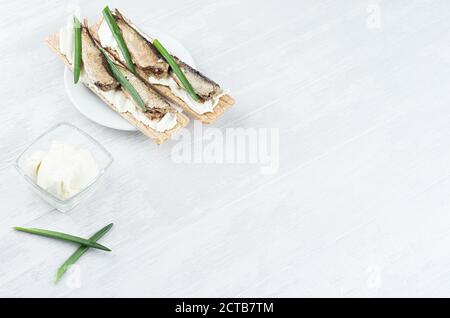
77	138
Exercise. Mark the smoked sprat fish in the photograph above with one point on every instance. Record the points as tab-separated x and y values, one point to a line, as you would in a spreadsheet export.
94	63
159	121
151	67
143	53
203	86
156	105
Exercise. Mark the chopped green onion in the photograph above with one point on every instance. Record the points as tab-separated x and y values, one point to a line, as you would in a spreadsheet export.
119	38
169	58
63	237
80	251
77	50
124	82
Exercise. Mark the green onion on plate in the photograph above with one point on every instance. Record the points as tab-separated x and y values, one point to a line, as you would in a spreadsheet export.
176	69
124	82
77	50
119	38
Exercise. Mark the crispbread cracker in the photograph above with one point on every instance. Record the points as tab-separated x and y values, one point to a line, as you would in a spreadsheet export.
225	101
158	137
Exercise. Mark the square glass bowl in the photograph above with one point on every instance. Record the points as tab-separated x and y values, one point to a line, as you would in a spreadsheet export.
67	133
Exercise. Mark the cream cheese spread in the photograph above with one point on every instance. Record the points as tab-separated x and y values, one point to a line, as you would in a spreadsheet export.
63	170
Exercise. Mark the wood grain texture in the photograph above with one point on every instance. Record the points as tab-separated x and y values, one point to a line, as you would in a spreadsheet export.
359	206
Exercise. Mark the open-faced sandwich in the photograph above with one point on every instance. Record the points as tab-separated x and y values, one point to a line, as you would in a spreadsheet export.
180	83
119	87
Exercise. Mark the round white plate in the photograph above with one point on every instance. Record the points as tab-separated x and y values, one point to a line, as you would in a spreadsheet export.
91	106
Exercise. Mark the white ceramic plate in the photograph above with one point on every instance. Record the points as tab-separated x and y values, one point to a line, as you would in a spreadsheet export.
91	106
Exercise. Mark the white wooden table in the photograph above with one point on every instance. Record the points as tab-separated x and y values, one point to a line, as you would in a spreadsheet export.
360	204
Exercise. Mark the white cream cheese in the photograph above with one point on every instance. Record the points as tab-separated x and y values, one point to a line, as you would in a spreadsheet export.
123	105
116	97
32	164
66	39
107	40
63	170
